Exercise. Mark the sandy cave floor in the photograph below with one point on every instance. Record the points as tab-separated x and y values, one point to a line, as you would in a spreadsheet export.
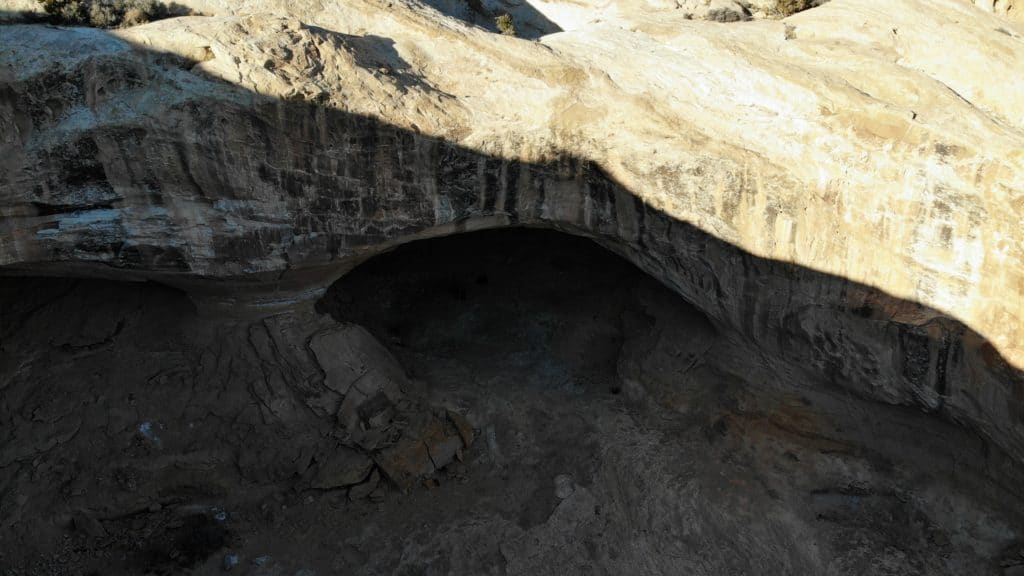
617	431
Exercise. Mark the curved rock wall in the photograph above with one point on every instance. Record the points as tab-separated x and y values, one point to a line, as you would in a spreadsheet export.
253	159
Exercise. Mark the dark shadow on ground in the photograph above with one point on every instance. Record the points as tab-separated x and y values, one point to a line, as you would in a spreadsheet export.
589	386
529	22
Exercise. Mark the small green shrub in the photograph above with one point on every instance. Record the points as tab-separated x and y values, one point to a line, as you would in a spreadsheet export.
727	15
784	8
143	11
505	25
71	12
104	13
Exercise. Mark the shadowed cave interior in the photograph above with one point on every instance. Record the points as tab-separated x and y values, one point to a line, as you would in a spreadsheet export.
560	412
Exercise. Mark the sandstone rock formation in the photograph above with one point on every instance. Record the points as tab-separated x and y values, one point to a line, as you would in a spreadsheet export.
608	427
1009	8
844	188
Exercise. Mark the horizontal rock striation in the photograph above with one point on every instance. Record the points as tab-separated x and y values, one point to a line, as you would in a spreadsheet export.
830	187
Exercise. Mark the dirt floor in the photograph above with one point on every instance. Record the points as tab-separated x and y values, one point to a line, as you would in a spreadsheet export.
575	417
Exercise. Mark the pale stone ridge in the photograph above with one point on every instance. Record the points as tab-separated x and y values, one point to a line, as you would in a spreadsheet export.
260	151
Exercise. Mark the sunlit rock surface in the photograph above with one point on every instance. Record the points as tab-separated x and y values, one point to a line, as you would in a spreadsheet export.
843	187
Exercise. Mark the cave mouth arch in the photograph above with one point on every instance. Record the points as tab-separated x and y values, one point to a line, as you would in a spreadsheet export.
614	417
550	305
606	424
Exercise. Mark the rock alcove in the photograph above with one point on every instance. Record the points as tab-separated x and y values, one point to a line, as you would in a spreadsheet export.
833	193
522	401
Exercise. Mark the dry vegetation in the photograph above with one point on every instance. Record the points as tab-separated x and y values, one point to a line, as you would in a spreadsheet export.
106	13
505	25
785	8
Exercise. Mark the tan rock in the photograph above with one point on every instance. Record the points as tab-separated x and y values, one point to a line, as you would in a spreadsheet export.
462	426
428	443
349	356
343	467
364	490
405	462
843	187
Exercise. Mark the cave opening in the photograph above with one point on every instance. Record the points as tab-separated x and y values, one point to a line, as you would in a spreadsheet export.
619	426
521	307
539	405
542	338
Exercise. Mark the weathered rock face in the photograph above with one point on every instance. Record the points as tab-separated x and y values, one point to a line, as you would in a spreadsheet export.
584	416
834	187
1008	8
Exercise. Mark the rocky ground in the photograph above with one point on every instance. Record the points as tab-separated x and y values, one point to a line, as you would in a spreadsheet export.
575	417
